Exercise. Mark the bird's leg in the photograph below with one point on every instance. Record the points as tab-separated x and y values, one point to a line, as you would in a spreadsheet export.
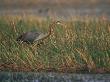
33	49
40	43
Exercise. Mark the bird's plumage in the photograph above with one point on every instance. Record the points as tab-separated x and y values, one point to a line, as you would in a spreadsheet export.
32	36
28	37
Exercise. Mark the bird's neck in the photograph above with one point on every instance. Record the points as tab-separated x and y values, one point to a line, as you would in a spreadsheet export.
51	26
49	31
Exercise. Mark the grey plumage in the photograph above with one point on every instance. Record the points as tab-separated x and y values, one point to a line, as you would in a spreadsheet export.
28	37
32	36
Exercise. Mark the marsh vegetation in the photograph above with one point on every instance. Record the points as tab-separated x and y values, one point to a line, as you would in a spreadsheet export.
75	47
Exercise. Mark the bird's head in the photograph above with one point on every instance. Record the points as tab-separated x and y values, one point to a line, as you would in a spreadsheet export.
57	23
54	24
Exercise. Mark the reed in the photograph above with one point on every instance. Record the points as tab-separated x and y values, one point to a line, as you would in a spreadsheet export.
76	46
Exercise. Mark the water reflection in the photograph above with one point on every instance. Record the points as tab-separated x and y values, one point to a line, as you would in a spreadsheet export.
52	77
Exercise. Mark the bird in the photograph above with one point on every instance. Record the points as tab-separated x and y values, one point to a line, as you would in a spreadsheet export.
32	36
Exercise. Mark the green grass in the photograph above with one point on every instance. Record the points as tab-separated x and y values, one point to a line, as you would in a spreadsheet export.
76	46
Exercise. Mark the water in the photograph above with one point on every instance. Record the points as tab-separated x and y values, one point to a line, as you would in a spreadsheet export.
52	77
61	11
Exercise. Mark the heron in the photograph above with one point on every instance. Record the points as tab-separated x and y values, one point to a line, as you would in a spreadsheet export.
33	36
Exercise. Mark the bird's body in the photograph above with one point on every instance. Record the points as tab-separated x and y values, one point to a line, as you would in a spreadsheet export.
28	37
32	36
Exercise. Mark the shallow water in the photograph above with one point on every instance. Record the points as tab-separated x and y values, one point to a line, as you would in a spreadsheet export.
61	11
52	77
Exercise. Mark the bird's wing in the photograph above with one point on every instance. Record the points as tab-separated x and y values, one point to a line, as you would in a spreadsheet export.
41	36
21	36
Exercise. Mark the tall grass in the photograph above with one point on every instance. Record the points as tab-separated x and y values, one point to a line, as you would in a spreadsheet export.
78	45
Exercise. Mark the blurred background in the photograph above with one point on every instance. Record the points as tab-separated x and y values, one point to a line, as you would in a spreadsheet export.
56	8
